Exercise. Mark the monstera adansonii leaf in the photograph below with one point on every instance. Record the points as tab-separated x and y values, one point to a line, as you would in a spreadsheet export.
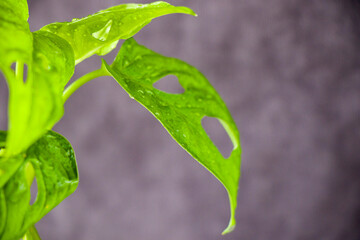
137	68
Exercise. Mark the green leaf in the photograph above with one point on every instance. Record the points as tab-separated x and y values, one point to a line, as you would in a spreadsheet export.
99	33
137	68
36	104
51	161
8	165
55	55
2	196
15	35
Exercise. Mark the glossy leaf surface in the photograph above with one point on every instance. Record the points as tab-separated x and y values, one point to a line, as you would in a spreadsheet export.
51	161
36	104
137	68
99	33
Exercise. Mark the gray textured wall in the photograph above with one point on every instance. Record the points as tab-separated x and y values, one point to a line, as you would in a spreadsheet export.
289	72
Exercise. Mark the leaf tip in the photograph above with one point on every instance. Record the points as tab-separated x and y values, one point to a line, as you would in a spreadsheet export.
230	227
191	12
187	10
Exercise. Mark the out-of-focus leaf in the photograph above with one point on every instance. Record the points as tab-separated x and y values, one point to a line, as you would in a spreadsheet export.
51	161
8	165
15	35
137	68
2	196
99	33
36	104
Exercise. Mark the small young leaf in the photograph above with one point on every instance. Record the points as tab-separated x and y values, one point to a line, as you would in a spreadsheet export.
15	35
99	33
36	105
52	161
137	68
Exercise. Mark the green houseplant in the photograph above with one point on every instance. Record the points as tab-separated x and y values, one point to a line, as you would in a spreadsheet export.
38	66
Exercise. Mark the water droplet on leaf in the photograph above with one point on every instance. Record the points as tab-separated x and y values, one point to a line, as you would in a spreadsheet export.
103	33
149	92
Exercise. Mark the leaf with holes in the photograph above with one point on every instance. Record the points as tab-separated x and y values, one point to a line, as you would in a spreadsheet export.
99	33
15	35
137	68
36	104
51	161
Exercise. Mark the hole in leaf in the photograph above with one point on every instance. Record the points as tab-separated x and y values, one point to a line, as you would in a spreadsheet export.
33	191
25	73
218	135
169	84
4	93
13	66
23	70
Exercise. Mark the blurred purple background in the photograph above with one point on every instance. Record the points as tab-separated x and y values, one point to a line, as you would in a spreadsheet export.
289	73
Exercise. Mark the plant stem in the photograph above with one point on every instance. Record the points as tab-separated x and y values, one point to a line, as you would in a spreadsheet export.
32	234
82	80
